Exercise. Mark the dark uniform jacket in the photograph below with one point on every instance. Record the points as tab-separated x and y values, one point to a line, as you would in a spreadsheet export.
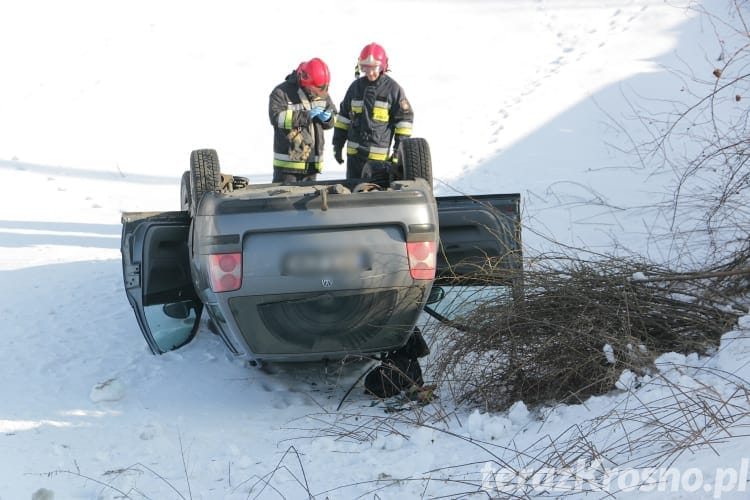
298	142
372	115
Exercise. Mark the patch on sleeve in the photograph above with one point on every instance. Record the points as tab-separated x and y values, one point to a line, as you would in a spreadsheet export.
405	105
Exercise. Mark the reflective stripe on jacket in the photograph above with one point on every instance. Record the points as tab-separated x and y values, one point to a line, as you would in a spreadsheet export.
371	116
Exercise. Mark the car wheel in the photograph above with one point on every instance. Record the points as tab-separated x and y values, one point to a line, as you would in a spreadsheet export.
185	191
414	159
205	175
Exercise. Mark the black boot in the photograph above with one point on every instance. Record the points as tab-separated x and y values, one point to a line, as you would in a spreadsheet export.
416	346
399	369
395	374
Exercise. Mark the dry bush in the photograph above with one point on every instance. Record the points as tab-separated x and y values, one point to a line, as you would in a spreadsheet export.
638	432
551	345
699	138
647	429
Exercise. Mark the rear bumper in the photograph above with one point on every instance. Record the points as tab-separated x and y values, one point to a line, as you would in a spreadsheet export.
323	325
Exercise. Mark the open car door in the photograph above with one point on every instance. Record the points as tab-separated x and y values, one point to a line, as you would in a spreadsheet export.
480	254
156	271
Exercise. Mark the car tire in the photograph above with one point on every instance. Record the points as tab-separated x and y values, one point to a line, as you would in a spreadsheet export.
185	196
205	176
415	160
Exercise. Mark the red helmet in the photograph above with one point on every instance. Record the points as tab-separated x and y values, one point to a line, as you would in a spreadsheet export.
314	74
373	54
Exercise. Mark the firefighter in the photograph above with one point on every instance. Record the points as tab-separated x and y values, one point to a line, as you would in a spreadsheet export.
374	114
300	109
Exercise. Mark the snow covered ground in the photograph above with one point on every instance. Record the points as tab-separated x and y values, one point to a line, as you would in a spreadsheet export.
101	104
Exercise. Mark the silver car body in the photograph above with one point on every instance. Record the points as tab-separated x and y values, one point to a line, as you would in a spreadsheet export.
326	269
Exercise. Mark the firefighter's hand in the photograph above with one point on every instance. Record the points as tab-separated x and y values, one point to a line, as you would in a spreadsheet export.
337	155
315	112
394	156
325	115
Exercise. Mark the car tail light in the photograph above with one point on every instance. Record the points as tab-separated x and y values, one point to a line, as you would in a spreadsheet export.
421	259
225	271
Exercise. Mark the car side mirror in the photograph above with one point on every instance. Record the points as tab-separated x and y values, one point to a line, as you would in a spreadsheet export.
437	293
177	310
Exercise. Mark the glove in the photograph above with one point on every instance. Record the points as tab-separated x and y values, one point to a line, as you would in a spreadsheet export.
325	115
314	112
393	158
337	155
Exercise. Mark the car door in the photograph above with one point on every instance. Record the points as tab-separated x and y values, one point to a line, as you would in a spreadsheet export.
480	254
156	273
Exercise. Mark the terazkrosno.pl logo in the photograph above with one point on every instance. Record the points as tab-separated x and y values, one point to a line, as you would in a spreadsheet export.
592	476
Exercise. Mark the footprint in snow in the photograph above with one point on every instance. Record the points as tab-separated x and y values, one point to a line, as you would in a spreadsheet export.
43	494
148	432
109	390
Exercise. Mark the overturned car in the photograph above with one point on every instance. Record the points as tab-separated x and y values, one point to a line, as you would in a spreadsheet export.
310	271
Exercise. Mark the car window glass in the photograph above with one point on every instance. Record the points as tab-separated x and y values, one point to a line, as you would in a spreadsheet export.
170	330
459	302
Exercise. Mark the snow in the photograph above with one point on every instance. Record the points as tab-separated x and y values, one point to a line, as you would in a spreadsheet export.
101	104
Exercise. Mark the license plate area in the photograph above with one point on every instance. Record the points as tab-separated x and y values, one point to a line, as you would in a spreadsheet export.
317	262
